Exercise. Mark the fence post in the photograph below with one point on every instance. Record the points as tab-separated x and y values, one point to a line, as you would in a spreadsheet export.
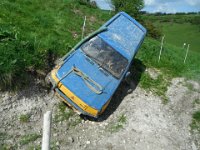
46	131
187	53
83	28
184	44
161	48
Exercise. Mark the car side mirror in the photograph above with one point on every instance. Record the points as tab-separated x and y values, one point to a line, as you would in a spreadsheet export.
127	74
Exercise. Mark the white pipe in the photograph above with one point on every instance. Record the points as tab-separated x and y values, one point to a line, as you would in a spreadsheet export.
46	131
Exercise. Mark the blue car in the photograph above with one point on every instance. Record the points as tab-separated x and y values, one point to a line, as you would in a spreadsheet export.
88	76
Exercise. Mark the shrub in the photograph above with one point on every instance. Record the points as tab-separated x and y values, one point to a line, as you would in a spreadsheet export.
152	30
87	3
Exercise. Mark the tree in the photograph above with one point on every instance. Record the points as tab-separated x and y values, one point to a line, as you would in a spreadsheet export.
132	7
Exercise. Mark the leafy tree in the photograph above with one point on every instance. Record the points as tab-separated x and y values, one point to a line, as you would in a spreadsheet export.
132	7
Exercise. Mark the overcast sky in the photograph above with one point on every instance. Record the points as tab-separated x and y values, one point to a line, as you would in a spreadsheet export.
172	6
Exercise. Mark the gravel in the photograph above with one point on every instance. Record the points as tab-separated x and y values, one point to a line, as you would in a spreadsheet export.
148	123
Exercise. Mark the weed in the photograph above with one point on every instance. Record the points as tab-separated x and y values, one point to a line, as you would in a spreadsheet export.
189	86
195	125
115	127
53	145
35	147
62	107
64	113
122	119
6	147
3	146
196	116
24	118
197	101
157	86
26	139
3	136
75	121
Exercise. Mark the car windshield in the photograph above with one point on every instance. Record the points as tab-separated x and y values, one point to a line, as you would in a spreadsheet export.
104	55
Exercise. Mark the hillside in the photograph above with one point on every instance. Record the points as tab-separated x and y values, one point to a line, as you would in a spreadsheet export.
183	28
31	40
159	108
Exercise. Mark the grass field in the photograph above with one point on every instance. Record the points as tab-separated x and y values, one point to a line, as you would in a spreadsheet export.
177	34
172	59
34	33
178	29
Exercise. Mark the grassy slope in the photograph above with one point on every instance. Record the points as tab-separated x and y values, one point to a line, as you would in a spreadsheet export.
183	33
179	29
171	65
32	33
172	58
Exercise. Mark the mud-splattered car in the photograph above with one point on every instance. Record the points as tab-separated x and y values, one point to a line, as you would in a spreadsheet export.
88	76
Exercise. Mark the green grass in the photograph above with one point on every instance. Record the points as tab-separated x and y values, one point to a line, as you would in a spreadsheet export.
34	33
171	63
195	125
67	114
24	118
3	145
197	101
177	34
178	29
157	86
6	147
34	147
63	114
116	126
32	40
3	136
26	139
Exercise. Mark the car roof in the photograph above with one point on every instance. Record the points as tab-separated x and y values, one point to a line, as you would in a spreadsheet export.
124	34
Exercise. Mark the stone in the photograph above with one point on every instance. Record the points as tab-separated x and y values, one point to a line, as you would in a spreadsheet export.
87	142
57	143
71	139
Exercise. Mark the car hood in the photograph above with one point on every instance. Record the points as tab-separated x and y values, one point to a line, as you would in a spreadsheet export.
77	85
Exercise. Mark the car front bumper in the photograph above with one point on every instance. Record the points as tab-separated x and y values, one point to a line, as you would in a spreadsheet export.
71	99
